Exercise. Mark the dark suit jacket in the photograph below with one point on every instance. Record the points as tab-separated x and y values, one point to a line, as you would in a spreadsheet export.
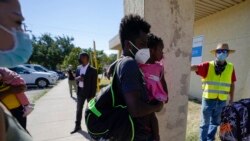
90	82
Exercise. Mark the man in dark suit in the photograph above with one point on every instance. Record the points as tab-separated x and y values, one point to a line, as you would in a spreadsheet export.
86	77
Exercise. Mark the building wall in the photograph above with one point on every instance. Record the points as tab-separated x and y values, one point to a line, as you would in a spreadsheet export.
173	21
230	26
134	7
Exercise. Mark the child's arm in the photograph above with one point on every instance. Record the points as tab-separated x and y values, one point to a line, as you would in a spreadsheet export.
12	90
164	85
22	98
10	77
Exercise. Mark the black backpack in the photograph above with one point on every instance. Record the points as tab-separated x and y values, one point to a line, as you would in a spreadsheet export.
106	116
235	121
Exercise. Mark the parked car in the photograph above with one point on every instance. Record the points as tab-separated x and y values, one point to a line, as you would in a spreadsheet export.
61	74
31	77
40	68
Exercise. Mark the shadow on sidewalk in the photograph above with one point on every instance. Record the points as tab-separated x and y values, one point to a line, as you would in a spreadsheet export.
84	134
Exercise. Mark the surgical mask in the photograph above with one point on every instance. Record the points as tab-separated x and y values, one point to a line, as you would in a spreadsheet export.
221	56
142	55
21	51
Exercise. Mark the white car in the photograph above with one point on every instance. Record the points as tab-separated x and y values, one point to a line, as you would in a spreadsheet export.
31	77
40	68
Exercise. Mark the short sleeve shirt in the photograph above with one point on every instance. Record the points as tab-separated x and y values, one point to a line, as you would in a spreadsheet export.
131	80
203	70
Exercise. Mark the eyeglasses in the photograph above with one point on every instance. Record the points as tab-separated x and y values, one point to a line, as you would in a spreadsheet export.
222	51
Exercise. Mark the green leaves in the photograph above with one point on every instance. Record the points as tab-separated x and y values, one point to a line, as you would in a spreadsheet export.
60	52
50	52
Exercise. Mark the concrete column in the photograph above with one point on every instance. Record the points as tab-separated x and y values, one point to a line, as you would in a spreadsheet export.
119	54
172	20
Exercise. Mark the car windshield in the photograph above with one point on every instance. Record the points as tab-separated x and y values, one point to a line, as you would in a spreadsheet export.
40	68
26	68
44	68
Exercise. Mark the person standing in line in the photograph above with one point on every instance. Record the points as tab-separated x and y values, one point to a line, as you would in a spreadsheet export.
71	80
218	78
15	49
86	77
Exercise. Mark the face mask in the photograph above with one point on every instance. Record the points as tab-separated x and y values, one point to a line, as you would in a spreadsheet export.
142	55
221	56
20	53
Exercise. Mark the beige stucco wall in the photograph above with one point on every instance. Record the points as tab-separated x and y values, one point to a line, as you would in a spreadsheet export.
172	20
232	26
134	7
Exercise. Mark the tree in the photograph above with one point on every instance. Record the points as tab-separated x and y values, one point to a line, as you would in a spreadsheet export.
50	52
72	58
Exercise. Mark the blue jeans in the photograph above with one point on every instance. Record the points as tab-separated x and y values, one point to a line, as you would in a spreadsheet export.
210	118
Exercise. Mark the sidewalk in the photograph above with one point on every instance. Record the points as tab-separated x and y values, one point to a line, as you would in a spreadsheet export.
54	117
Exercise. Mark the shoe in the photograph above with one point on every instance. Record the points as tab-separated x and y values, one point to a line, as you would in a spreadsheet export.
76	130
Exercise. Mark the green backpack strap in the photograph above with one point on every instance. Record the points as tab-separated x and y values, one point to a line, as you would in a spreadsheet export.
113	84
121	106
92	107
92	102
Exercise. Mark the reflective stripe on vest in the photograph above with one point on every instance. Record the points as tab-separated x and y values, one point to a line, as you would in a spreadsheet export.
217	86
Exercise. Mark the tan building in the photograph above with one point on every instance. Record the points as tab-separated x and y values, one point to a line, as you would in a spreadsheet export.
222	21
177	22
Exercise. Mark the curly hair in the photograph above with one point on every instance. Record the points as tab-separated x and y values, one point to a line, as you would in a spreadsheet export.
4	0
131	26
154	41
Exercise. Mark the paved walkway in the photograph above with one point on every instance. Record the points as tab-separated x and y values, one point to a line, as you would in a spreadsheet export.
54	116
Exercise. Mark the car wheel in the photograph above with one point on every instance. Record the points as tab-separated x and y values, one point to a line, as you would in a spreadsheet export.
42	83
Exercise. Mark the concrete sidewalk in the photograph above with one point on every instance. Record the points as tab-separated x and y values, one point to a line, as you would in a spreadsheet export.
54	117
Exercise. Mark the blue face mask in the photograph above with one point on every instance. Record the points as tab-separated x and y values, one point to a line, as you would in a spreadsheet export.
20	53
221	56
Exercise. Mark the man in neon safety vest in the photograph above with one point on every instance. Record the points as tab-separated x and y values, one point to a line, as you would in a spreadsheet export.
218	79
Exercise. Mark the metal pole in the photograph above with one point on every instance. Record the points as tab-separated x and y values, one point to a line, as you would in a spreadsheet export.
96	65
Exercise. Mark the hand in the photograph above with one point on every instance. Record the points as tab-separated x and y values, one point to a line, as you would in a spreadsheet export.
27	110
79	78
159	106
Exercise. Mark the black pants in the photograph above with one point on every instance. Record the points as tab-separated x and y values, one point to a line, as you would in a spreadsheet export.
81	97
18	114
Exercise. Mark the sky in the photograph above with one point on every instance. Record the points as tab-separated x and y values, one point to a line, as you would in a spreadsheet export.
85	20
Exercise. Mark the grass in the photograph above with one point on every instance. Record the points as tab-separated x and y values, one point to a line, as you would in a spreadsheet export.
38	96
193	121
104	82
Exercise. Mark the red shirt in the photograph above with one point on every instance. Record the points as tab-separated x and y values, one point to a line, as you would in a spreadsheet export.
203	70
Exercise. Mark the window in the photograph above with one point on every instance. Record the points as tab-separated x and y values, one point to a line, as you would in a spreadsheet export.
39	69
19	70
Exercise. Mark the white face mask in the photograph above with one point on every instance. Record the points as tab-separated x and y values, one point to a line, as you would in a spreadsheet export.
142	55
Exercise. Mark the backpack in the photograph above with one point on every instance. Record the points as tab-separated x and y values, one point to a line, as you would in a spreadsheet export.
235	121
106	116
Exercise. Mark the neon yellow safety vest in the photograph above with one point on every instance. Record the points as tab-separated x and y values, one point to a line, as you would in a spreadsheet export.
217	86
